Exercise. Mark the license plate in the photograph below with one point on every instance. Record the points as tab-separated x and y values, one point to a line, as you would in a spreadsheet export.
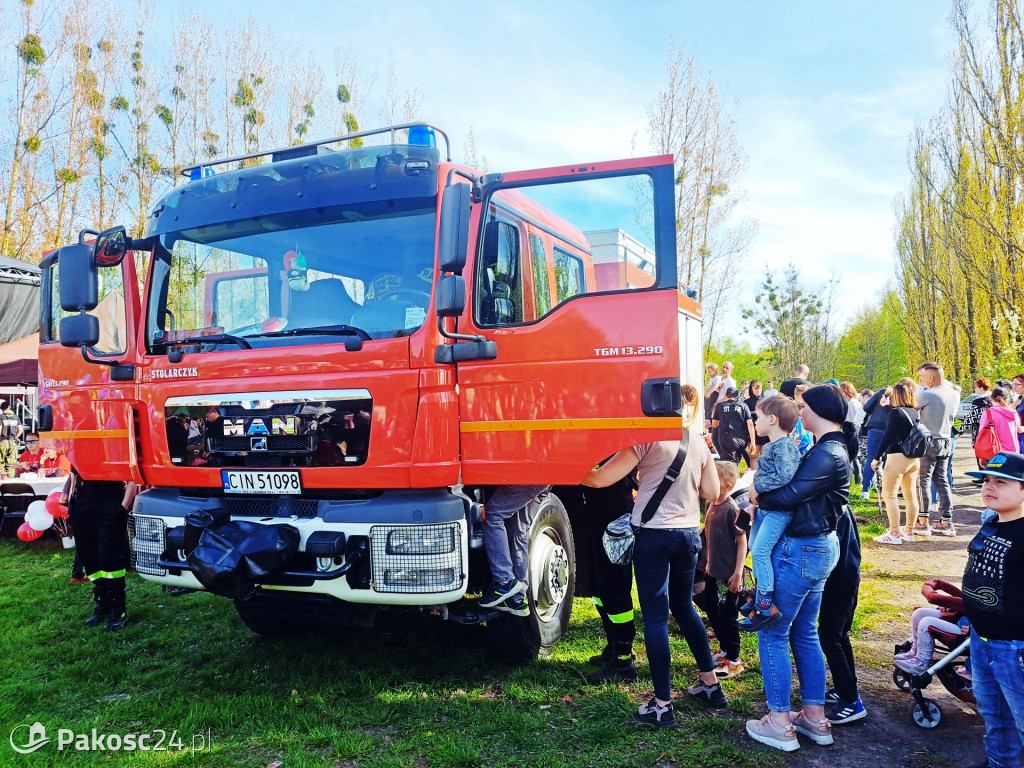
261	481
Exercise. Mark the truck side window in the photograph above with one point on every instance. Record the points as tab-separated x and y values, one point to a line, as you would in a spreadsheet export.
499	289
569	279
541	284
110	311
568	240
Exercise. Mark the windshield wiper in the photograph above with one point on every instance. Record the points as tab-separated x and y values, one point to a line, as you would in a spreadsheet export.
215	338
352	345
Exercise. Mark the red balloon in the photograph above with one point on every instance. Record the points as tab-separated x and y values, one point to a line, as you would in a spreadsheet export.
54	507
27	533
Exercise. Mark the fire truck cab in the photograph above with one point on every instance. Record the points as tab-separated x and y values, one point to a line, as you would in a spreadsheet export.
320	359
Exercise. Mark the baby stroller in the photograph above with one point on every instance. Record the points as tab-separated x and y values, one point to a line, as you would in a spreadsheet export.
951	650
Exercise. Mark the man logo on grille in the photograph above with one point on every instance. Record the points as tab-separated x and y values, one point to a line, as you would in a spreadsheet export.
259	443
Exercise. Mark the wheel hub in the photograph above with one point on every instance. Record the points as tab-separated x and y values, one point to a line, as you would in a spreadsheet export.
549	574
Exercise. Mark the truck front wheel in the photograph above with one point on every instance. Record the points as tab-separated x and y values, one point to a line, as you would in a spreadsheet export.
552	579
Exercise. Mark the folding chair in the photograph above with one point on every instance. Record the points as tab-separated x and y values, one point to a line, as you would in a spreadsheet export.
15	498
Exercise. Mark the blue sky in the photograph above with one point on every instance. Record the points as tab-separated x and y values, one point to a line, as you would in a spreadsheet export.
826	96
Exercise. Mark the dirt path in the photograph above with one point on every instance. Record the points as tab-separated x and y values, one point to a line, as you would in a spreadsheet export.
888	737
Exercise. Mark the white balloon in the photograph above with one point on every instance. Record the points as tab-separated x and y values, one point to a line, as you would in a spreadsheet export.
36	506
40	521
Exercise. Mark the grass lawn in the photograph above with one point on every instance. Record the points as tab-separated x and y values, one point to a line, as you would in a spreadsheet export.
413	692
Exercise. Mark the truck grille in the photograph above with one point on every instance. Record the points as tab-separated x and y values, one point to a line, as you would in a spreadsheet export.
279	409
299	443
260	506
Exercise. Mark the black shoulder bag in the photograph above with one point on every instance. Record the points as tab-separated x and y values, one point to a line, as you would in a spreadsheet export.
620	535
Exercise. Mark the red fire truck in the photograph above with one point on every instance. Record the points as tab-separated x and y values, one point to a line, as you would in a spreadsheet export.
319	360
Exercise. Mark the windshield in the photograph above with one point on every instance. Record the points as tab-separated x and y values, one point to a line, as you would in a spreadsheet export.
304	277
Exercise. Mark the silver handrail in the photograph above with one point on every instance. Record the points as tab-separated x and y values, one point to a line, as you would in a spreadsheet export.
389	129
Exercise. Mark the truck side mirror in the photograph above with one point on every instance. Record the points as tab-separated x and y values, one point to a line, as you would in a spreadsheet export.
453	238
110	247
450	300
79	330
79	278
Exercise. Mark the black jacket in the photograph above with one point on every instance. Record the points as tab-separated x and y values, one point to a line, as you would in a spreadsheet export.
901	421
818	492
875	414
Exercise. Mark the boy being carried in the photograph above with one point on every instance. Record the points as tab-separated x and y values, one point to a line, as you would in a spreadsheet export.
776	417
720	563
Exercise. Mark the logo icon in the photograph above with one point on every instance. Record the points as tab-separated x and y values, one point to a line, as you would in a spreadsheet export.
259	443
36	738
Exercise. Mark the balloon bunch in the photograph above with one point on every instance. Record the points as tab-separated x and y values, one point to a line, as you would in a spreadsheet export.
42	515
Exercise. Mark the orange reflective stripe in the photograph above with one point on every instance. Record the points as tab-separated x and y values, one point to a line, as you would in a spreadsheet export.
540	425
80	433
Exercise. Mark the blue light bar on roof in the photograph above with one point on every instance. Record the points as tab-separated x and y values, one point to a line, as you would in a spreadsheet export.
420	135
199	173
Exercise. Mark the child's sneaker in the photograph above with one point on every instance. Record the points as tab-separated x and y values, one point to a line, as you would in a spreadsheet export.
712	695
912	666
767	732
516	605
757	621
727	669
845	712
888	538
831	697
498	592
819	732
663	717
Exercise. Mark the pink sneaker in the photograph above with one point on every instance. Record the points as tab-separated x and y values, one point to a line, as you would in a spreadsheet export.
767	732
888	538
819	732
912	666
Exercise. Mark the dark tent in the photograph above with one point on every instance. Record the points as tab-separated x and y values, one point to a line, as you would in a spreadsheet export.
19	299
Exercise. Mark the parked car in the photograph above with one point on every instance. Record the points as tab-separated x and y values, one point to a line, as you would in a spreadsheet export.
965	406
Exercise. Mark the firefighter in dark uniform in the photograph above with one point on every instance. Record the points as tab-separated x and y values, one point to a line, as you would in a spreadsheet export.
611	584
99	516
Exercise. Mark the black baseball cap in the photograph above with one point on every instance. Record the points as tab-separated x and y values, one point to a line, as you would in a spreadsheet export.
1004	464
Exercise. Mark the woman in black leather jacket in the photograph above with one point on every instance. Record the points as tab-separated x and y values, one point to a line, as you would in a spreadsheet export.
804	557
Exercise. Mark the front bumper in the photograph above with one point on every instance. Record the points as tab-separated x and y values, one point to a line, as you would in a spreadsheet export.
405	547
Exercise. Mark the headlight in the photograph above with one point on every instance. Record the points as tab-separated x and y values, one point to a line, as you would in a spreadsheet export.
415	541
432	578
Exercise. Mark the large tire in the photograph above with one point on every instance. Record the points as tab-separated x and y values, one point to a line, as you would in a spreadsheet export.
552	586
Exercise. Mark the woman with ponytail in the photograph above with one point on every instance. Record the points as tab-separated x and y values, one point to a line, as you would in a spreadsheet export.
805	556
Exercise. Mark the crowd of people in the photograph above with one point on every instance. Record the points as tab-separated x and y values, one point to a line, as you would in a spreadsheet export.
806	444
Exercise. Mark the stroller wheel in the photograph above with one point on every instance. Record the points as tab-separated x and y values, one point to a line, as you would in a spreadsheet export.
902	679
926	713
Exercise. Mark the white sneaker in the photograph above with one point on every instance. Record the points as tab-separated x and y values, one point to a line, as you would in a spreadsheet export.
865	494
908	537
888	538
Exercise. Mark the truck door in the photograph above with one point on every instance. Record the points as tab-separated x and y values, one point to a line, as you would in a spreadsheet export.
572	273
87	405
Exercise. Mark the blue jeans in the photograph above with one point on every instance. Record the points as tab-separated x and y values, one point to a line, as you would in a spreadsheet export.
801	568
664	560
997	672
768	529
874	440
506	530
